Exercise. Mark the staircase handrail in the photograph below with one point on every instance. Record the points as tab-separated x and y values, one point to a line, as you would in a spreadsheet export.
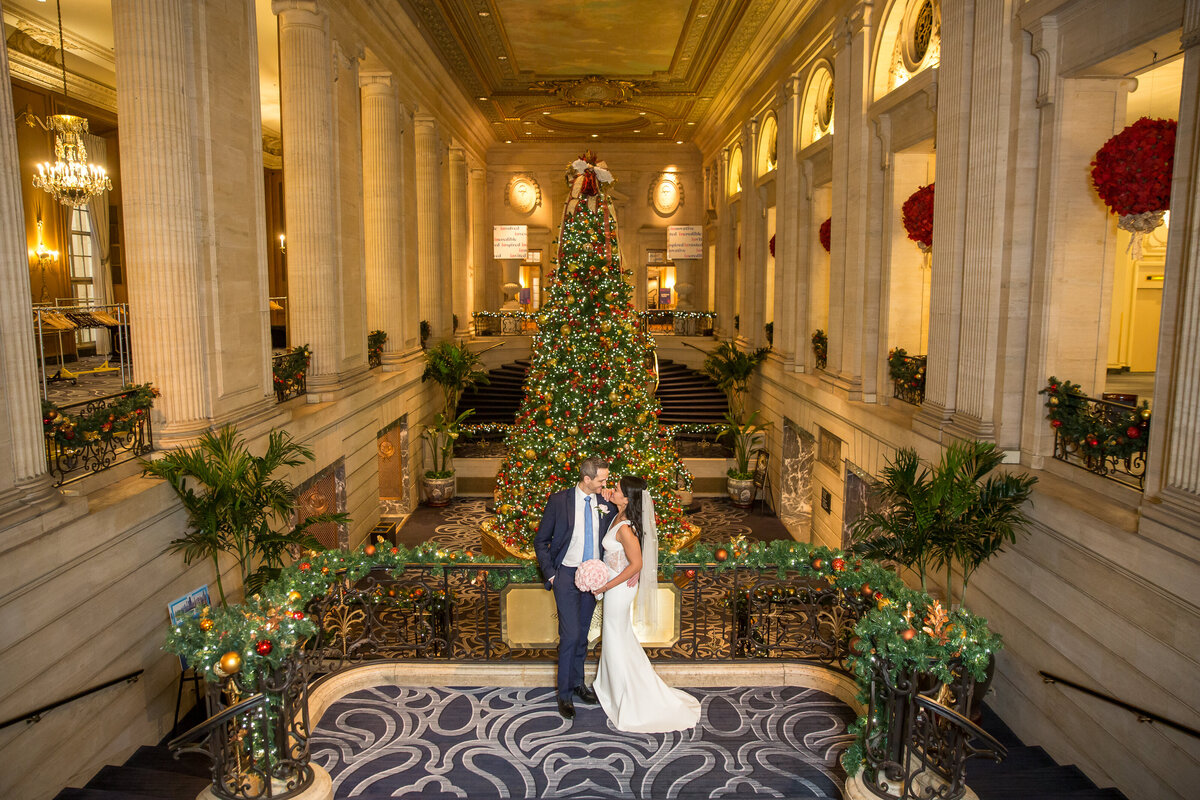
995	749
220	718
36	715
1142	714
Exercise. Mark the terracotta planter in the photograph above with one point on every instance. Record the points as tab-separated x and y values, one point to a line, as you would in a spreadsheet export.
438	491
740	491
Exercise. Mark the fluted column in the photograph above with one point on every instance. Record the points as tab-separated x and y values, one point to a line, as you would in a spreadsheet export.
24	484
310	184
460	241
849	250
158	203
1174	470
382	231
791	293
754	241
429	234
727	244
410	245
481	242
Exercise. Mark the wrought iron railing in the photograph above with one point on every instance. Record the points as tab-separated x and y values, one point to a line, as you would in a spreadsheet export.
908	377
455	612
92	451
1105	448
256	735
290	372
504	323
678	323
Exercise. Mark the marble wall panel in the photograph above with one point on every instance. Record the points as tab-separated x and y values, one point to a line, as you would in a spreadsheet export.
796	493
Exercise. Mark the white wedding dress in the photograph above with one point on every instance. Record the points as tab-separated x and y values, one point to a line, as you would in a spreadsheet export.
631	694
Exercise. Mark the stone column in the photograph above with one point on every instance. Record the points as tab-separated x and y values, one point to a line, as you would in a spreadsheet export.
158	202
481	241
851	205
429	233
410	244
25	488
726	269
791	293
382	230
1174	470
310	184
751	269
461	291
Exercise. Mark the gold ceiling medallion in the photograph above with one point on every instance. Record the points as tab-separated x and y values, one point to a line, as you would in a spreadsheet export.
523	194
591	91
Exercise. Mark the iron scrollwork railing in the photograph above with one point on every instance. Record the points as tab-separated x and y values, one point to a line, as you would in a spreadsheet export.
677	323
68	462
918	737
256	735
290	373
908	377
504	323
1123	462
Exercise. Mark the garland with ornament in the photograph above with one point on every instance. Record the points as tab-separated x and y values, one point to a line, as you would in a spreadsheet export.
1132	175
918	217
825	233
906	370
904	627
116	418
1096	430
589	388
820	347
375	341
290	371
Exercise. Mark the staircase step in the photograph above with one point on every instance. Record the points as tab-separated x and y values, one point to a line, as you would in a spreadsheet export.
160	758
1030	781
1018	759
71	793
152	782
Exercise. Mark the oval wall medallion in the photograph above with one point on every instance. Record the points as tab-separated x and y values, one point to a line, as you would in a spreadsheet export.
666	193
523	194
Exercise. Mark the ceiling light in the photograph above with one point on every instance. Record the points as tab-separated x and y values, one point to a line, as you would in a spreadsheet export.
595	136
508	141
544	113
639	130
660	133
485	13
503	58
642	113
701	16
529	133
483	98
679	141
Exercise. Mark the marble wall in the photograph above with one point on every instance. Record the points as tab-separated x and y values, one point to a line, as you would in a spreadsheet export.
796	488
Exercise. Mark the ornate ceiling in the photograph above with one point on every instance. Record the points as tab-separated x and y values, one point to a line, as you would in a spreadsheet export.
631	70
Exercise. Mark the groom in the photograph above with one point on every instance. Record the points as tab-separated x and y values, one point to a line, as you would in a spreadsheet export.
570	532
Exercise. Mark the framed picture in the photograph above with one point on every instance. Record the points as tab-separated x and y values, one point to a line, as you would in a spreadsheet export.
829	450
656	256
533	257
189	605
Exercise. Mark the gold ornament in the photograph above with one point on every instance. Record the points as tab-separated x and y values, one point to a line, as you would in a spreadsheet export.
230	663
1145	413
565	329
293	596
530	454
606	326
206	624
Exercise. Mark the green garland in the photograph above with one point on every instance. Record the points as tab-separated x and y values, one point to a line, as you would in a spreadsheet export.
375	340
291	368
820	346
1097	431
116	418
906	369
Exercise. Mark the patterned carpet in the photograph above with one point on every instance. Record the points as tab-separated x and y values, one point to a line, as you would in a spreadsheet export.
511	743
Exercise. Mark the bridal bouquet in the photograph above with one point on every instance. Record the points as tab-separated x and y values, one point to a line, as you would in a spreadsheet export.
591	575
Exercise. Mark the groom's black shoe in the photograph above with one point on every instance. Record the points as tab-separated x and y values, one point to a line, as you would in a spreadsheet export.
566	707
586	693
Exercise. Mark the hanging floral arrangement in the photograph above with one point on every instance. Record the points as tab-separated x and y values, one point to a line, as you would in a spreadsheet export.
918	217
826	228
771	245
1132	175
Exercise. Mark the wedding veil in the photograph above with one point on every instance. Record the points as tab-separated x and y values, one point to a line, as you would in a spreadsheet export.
645	604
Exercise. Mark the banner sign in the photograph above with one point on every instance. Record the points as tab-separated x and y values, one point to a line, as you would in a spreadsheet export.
685	241
510	241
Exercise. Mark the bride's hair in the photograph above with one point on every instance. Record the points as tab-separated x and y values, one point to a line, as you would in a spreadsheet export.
634	488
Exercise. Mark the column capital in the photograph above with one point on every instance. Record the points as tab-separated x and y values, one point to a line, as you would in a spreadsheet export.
851	25
378	81
427	123
298	11
1191	24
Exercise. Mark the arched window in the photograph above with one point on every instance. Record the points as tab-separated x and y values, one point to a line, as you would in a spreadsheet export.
735	170
816	114
768	146
910	42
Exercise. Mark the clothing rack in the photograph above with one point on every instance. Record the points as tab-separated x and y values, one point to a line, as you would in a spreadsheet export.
63	318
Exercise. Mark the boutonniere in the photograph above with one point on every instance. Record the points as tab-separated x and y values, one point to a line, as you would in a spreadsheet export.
603	509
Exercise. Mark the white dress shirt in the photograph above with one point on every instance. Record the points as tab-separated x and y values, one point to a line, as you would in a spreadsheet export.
574	554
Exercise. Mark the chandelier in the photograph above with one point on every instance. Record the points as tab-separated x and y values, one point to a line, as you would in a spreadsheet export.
70	180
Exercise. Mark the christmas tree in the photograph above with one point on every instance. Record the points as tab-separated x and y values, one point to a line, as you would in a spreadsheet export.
590	388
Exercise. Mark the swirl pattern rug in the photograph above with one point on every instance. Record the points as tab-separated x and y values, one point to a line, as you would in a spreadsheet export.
392	741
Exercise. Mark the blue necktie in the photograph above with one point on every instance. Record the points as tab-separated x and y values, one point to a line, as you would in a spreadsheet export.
588	534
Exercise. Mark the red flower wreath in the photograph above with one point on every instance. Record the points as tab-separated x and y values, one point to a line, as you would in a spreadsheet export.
1132	173
771	245
826	228
918	217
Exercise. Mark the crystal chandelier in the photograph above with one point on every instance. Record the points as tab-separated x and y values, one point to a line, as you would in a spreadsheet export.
71	180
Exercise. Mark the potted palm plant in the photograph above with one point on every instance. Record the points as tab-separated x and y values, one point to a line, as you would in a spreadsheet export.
455	368
748	437
730	369
235	505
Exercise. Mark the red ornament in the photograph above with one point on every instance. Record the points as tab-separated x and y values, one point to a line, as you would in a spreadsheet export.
263	648
867	590
721	555
305	566
1133	431
907	634
691	573
817	563
918	217
839	564
1093	441
395	550
297	615
826	230
369	550
1132	171
1056	423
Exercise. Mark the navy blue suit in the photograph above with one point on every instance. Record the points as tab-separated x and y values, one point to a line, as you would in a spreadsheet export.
574	607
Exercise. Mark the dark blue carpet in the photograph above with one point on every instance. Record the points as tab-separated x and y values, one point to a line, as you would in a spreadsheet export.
512	743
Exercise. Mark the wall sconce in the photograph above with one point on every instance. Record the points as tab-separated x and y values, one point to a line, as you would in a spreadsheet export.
282	244
46	259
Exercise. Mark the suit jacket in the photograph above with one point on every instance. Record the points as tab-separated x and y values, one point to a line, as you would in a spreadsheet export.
555	530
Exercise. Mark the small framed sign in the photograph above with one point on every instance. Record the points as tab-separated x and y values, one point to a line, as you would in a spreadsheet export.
186	607
656	256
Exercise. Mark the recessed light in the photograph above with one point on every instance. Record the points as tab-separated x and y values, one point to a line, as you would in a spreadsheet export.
691	123
526	122
529	133
595	136
485	13
483	98
503	58
701	16
508	141
642	113
679	141
639	130
544	113
660	133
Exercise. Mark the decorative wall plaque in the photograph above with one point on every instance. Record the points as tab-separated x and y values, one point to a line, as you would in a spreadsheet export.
523	194
829	450
666	193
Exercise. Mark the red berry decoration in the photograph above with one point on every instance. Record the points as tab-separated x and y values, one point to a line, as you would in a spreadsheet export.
395	550
907	634
263	647
839	564
878	595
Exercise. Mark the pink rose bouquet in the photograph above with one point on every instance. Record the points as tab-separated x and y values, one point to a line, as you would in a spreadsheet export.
591	575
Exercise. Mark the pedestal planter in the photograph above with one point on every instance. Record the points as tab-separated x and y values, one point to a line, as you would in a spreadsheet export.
740	491
438	491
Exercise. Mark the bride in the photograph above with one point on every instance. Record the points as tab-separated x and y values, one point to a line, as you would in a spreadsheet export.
632	695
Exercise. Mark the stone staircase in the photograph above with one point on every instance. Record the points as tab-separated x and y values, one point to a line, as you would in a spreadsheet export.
151	773
687	396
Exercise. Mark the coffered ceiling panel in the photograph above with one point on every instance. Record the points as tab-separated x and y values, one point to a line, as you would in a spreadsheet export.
628	70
